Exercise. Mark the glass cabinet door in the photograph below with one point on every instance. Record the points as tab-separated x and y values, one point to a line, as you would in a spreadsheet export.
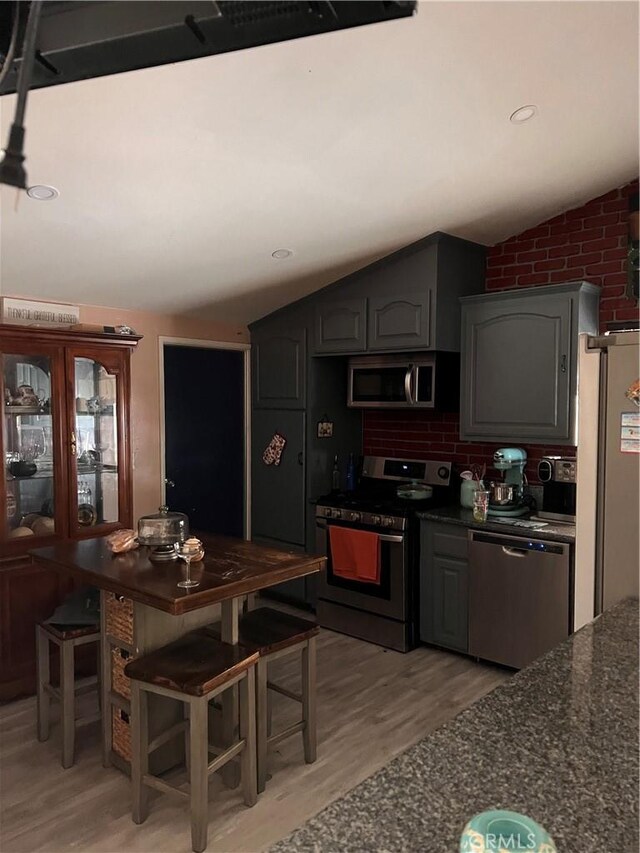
29	445
95	441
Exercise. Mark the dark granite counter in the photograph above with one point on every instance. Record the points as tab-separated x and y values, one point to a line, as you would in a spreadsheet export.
464	517
558	742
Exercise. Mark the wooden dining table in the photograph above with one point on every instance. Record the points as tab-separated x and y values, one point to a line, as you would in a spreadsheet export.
142	608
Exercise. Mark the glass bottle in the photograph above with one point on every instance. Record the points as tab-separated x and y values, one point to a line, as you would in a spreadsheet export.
351	474
335	475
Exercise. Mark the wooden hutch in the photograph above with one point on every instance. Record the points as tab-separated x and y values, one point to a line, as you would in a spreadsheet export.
67	469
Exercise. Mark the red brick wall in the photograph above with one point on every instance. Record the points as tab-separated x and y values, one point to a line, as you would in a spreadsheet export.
585	244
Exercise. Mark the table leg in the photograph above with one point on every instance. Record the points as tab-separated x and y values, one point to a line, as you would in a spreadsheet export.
104	663
229	634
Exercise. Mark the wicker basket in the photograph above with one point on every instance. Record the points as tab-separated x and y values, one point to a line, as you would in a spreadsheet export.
119	681
121	733
119	617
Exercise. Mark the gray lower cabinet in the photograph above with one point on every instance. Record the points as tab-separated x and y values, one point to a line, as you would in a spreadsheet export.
400	322
278	491
519	362
341	326
444	585
279	366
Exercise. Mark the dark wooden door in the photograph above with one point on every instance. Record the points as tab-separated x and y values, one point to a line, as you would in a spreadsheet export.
278	493
205	437
341	326
516	369
444	593
400	322
279	366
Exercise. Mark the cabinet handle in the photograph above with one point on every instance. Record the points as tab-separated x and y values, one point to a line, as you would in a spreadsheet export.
563	364
73	444
300	458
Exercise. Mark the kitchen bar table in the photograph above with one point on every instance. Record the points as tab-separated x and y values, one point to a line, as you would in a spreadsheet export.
142	608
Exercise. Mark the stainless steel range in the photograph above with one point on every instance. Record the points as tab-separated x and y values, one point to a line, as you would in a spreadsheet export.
386	611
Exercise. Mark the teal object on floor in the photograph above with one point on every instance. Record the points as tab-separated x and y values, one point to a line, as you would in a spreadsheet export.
505	832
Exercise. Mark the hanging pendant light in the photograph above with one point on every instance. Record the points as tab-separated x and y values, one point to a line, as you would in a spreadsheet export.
12	171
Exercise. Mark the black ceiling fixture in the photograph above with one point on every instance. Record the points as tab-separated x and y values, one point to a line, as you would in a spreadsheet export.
80	40
12	171
49	42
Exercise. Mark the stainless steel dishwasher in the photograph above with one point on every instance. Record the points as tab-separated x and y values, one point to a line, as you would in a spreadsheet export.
519	604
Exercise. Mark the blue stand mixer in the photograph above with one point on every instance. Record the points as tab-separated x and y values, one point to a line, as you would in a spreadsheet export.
507	497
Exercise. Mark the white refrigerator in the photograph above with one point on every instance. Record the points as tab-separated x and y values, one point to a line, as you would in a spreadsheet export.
607	553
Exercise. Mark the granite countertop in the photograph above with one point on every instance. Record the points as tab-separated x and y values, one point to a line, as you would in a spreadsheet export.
557	742
464	517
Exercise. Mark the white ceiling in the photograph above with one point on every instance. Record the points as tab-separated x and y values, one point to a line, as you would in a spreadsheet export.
177	183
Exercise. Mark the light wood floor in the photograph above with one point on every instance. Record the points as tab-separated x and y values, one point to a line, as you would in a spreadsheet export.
373	704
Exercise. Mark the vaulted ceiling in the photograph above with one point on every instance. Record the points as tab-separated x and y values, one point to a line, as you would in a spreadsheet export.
177	183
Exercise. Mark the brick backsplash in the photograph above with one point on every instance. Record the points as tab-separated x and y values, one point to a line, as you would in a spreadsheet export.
435	435
588	243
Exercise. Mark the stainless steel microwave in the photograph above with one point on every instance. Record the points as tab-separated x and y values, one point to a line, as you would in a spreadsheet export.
392	382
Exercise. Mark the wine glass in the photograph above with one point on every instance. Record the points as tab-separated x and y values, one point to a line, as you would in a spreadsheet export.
187	555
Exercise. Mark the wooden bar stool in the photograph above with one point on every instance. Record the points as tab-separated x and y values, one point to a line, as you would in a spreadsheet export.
66	639
193	670
275	634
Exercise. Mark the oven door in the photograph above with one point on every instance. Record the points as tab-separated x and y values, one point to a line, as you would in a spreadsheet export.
389	598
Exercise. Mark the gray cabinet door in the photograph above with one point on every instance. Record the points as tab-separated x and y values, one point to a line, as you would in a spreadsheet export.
516	369
400	322
340	326
444	590
278	491
279	368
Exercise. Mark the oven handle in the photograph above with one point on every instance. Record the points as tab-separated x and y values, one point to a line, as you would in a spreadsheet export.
384	537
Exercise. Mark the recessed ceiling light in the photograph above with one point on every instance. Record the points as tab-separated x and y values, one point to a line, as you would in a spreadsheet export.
523	114
41	192
281	253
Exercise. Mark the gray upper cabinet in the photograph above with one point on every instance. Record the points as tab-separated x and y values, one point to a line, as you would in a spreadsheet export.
397	323
520	362
279	367
406	301
341	326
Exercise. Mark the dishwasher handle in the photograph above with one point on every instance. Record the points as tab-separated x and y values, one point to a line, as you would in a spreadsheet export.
515	552
517	545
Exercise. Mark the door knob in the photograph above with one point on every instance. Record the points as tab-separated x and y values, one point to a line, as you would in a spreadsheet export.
169	483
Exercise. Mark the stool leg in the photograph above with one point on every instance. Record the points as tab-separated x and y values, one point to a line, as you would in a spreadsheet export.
139	753
198	771
262	701
44	677
67	702
248	768
309	733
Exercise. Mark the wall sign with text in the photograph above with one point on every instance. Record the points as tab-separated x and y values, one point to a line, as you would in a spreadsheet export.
27	312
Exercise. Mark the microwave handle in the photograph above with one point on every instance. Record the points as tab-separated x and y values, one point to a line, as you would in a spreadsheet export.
408	393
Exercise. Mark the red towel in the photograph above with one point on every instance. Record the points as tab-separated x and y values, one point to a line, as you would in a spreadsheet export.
355	554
